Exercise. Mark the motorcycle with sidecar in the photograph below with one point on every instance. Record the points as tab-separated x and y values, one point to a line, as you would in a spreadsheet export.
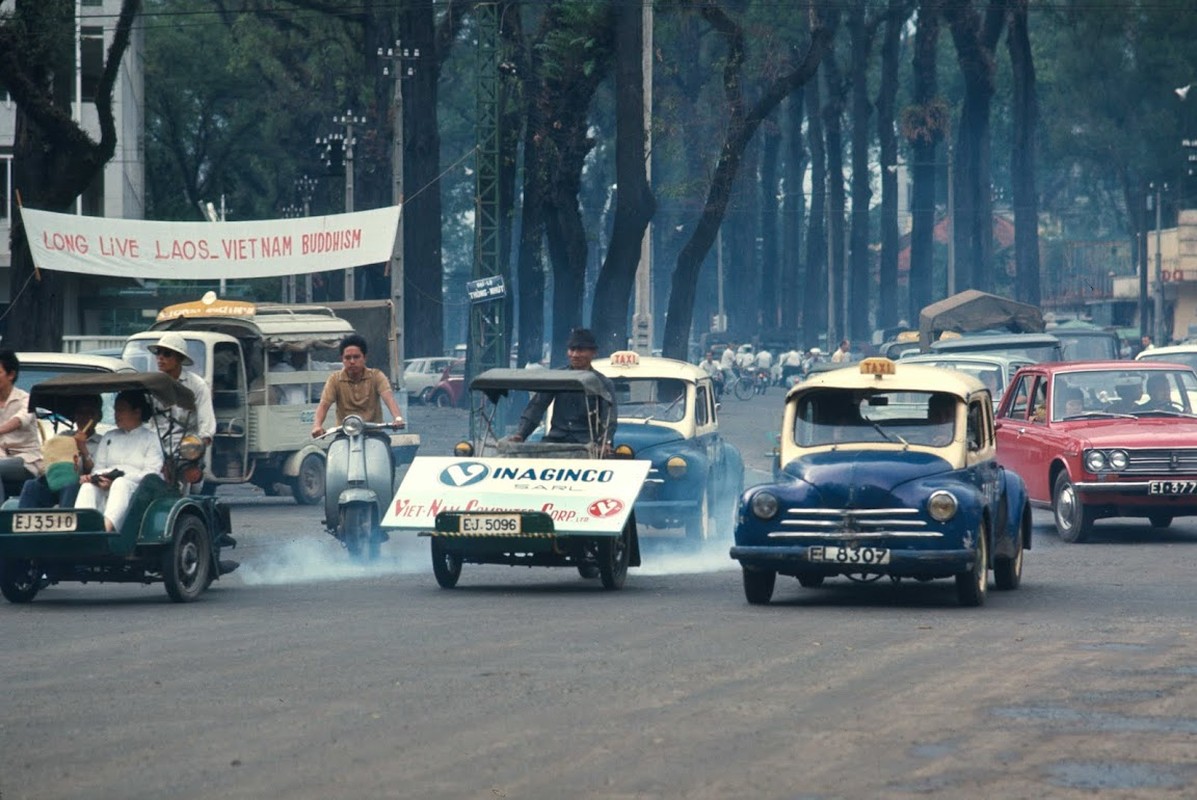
168	536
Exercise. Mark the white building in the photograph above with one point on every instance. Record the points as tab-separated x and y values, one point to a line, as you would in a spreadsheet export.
119	191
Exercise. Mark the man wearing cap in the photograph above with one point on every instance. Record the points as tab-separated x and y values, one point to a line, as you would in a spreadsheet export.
572	410
356	389
171	353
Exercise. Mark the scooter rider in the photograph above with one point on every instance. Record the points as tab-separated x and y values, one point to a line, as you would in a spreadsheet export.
356	389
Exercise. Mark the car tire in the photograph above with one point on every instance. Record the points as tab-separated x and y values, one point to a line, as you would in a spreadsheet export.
446	566
758	585
972	585
1159	520
811	581
308	485
1074	522
187	560
442	400
614	552
20	580
700	527
425	396
1007	572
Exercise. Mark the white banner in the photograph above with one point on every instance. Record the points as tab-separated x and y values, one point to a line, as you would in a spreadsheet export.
129	248
581	496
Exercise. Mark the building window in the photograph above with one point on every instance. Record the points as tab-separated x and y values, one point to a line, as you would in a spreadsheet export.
91	55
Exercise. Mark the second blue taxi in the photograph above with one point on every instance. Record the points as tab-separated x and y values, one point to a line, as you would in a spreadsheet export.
886	469
668	415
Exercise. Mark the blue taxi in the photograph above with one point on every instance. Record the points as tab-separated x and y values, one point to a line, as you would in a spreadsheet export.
668	415
886	469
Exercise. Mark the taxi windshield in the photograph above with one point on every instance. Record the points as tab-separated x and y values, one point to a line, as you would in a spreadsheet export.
651	399
846	416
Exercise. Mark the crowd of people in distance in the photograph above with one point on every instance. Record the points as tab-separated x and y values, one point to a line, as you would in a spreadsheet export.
784	369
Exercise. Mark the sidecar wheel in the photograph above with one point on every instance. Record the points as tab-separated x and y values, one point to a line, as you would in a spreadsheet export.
187	560
446	566
19	580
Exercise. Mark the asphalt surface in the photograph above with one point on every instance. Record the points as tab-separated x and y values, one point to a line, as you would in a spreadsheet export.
305	676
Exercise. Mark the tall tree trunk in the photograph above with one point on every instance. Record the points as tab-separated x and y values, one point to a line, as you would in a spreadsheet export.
833	113
856	325
923	126
422	257
814	305
888	309
975	40
793	274
741	127
634	202
769	311
1022	156
54	160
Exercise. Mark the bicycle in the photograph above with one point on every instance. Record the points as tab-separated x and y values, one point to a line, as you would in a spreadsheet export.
743	386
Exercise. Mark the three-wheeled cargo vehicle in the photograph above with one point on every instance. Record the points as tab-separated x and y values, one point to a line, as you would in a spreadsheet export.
167	536
531	503
266	365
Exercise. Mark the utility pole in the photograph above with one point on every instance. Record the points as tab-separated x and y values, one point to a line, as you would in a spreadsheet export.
306	187
642	319
1159	337
347	120
487	345
397	59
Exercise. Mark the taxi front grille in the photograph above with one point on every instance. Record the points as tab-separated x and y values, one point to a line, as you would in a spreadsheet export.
859	523
1161	459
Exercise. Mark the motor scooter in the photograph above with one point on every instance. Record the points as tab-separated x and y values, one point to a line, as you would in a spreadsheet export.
359	470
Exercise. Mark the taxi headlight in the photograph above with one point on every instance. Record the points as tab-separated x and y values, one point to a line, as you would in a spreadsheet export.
676	467
352	425
191	448
764	505
942	506
1095	461
1119	460
625	451
463	449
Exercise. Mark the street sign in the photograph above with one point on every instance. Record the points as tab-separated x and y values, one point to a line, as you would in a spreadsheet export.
484	289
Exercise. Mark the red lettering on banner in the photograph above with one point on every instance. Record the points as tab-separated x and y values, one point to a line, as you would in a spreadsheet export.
183	250
67	243
119	246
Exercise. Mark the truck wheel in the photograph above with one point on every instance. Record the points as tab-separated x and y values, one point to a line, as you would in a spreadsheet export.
758	585
613	554
308	485
973	585
187	560
19	580
446	566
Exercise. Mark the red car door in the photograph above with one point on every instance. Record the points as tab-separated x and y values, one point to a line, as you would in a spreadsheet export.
1019	435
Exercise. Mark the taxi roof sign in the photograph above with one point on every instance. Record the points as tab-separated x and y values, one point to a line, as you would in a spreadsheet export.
877	366
625	358
207	306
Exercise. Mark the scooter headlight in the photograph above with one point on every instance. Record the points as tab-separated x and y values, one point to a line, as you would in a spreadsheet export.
191	448
352	425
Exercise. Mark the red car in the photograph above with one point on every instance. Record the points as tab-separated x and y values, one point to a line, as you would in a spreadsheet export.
450	389
1096	439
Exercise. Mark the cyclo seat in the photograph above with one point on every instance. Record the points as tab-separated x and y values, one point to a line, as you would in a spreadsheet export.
544	449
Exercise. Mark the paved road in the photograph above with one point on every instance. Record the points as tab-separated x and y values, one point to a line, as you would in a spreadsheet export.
306	677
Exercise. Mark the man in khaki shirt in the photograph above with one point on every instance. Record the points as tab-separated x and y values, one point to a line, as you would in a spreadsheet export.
356	389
